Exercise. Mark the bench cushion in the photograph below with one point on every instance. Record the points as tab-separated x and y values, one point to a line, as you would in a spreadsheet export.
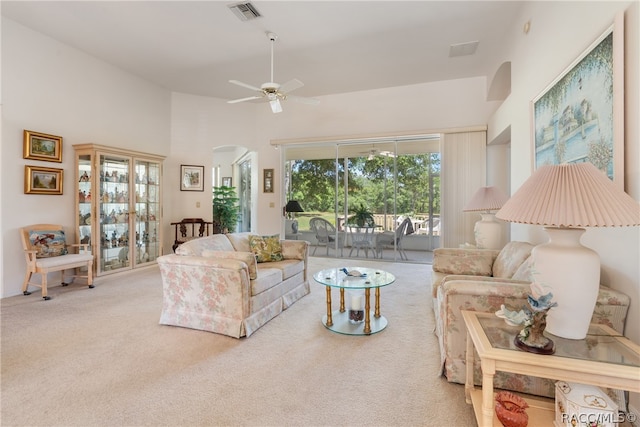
63	261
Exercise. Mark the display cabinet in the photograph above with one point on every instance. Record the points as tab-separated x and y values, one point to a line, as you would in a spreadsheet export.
119	206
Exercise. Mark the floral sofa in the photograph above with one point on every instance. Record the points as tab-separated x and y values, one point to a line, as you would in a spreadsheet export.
482	280
232	284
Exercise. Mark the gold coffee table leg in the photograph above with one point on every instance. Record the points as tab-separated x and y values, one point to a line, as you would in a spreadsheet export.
377	313
329	318
367	307
341	300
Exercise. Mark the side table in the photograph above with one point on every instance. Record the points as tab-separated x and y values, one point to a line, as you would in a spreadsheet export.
604	358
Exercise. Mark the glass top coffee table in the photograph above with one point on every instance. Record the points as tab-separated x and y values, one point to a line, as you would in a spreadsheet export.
357	318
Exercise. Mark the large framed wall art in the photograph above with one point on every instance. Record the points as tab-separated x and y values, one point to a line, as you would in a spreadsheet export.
579	117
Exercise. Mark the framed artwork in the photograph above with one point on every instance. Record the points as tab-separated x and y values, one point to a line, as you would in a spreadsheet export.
226	181
42	146
267	184
39	180
191	178
580	116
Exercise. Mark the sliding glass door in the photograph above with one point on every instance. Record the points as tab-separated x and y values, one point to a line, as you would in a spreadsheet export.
394	182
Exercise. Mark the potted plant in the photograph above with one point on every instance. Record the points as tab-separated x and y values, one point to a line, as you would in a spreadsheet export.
362	216
225	210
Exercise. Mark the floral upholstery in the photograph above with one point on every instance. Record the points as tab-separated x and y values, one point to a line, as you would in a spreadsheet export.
210	285
457	292
479	262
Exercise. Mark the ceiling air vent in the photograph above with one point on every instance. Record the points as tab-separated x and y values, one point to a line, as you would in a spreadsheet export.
245	11
463	49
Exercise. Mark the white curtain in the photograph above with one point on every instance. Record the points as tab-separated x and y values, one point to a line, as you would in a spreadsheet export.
463	171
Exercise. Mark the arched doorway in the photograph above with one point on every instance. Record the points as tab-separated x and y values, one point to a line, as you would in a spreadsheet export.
233	166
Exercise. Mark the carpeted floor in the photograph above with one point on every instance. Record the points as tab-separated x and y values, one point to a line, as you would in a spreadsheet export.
98	357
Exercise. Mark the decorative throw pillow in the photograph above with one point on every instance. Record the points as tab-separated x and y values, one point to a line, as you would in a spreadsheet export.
48	243
266	248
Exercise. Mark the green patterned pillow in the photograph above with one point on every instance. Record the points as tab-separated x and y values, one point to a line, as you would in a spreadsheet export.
266	248
48	243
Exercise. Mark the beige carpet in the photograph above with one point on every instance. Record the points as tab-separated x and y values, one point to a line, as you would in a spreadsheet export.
98	357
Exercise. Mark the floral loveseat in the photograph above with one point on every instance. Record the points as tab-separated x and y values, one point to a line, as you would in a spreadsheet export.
232	284
482	280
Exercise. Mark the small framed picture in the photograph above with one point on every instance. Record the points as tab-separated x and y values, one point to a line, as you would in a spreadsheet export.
42	146
191	178
267	185
226	181
39	180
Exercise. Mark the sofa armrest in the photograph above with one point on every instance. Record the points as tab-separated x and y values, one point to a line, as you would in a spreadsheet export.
452	277
211	294
477	262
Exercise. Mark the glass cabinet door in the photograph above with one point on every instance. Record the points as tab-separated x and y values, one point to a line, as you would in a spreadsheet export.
147	210
114	210
119	210
85	171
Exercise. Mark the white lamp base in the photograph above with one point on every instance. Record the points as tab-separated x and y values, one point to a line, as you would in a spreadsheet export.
572	272
488	232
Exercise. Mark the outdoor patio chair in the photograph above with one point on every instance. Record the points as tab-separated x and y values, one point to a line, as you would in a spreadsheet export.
325	235
362	238
392	240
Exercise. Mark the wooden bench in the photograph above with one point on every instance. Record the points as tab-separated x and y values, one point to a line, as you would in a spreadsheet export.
186	230
46	251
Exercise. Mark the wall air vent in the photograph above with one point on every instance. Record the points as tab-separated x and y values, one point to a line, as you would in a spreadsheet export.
245	11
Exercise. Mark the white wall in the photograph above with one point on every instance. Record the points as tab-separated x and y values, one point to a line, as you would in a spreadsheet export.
537	59
49	87
205	123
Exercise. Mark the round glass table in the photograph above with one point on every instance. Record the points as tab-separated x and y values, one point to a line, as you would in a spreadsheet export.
358	318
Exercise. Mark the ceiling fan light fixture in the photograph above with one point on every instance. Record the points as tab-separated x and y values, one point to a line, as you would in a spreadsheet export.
276	107
273	92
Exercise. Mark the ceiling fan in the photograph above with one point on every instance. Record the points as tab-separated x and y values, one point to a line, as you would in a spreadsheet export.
273	92
373	153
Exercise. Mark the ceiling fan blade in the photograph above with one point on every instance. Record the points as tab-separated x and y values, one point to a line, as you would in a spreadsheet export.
250	98
302	100
291	85
248	86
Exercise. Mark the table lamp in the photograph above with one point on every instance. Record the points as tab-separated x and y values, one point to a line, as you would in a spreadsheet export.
292	207
487	231
564	199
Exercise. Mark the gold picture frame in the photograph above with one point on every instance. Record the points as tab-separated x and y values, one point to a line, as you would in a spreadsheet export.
267	182
42	146
39	180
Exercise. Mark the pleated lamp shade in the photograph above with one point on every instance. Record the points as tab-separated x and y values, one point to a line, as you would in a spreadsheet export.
486	199
564	199
571	195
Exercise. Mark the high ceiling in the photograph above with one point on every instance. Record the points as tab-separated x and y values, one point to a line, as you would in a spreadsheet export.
333	47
